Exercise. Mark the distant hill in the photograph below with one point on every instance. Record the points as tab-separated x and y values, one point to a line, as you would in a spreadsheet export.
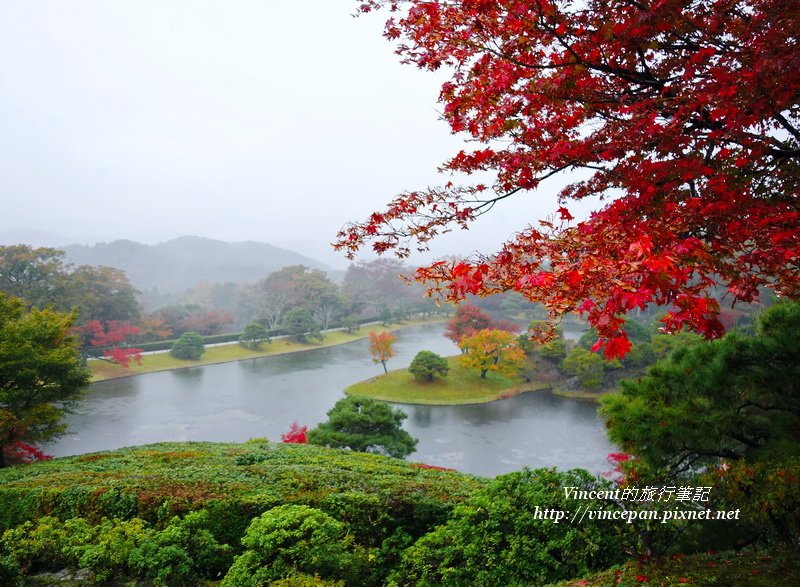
187	261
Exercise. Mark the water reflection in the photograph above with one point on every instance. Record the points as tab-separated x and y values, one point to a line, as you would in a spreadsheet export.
261	397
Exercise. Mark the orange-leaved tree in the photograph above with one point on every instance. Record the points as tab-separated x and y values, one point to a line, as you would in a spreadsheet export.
380	347
683	117
492	350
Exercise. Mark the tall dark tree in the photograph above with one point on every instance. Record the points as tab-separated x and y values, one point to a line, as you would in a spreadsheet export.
40	373
734	398
33	275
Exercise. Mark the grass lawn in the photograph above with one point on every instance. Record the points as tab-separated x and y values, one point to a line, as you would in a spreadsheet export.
102	370
461	386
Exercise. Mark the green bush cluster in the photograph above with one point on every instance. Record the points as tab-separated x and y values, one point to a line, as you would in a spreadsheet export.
260	513
289	539
179	554
501	536
130	501
189	346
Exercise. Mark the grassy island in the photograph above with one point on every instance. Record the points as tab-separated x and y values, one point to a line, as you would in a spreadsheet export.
460	386
224	353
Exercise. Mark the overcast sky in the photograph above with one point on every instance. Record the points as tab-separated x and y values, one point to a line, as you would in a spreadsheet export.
236	120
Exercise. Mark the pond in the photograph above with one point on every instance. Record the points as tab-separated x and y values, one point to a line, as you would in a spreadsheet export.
232	402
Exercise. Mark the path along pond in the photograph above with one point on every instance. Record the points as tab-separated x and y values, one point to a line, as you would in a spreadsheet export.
232	402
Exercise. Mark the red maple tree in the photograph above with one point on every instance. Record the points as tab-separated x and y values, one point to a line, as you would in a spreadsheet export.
684	116
466	321
110	336
469	320
297	434
19	452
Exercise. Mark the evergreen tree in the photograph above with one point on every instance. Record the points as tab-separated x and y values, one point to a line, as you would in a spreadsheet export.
427	364
364	425
189	347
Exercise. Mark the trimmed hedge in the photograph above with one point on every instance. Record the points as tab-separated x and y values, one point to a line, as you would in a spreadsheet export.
156	482
165	345
130	495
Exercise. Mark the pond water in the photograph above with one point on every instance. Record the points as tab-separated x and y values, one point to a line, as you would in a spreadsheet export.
232	402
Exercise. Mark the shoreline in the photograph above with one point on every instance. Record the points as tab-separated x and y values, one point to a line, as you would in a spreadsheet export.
510	393
117	372
461	386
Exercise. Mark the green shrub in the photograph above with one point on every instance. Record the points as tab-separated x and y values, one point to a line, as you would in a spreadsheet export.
377	498
182	552
767	493
290	539
426	364
166	564
497	537
587	366
302	580
108	556
10	573
188	347
35	545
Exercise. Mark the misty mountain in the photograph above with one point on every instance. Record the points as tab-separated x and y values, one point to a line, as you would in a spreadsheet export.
38	238
178	264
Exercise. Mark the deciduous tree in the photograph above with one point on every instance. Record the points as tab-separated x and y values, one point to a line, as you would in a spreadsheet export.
294	286
588	367
31	274
111	339
380	347
297	434
466	321
683	115
40	372
492	350
374	285
299	323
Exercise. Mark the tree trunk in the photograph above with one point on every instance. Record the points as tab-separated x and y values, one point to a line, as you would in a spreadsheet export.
483	373
385	370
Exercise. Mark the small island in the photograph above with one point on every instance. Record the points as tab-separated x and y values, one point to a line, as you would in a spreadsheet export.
461	386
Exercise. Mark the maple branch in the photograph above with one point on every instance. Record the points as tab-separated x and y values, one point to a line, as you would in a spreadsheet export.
787	125
628	75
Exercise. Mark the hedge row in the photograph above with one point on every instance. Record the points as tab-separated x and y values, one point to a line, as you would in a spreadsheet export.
165	345
375	495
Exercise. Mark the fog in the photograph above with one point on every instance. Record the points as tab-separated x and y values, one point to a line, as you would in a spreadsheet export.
266	121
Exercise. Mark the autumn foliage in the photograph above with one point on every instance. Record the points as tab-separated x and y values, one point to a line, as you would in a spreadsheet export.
111	337
683	116
497	351
19	452
380	347
469	319
466	321
297	434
